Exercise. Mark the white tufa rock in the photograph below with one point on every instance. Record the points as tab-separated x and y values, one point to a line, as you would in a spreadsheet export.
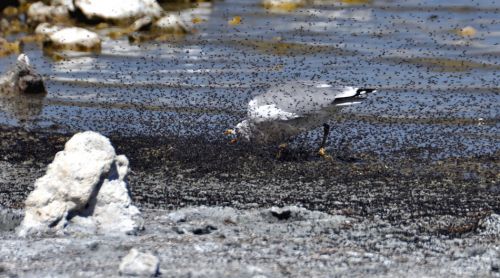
139	264
47	29
118	9
85	184
72	38
66	3
142	23
39	12
171	23
23	58
75	37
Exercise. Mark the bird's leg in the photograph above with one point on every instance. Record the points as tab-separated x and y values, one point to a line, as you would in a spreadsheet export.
281	148
322	150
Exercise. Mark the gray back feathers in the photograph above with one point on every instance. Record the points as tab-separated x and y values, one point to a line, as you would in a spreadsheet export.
303	98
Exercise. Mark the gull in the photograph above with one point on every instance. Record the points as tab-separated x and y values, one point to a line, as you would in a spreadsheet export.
289	109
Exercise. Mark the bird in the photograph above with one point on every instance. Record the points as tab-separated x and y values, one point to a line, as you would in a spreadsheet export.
291	108
22	78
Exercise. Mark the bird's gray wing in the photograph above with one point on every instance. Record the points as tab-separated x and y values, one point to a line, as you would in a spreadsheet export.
258	112
302	98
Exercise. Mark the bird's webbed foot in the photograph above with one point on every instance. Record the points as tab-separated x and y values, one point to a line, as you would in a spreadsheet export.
281	147
322	152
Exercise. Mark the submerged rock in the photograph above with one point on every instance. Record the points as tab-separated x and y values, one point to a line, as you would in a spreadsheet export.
75	38
283	5
162	29
22	91
47	29
22	79
118	10
467	31
39	12
8	48
142	24
139	264
171	23
84	189
69	38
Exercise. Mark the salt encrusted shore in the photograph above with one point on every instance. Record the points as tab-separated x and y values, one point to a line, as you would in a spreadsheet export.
252	216
275	242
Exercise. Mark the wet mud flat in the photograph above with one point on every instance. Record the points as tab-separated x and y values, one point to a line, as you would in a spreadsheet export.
208	209
172	172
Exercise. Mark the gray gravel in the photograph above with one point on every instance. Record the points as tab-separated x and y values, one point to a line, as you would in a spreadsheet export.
287	242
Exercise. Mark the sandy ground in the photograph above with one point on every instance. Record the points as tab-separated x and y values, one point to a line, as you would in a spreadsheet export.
356	215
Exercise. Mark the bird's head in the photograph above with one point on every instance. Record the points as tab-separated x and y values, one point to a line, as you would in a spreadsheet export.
28	80
240	131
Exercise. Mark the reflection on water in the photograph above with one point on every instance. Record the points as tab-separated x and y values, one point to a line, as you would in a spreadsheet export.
21	107
440	89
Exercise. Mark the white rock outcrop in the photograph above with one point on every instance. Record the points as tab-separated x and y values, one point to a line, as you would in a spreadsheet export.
84	188
75	38
118	9
139	264
71	38
141	24
39	12
67	3
20	79
47	29
171	23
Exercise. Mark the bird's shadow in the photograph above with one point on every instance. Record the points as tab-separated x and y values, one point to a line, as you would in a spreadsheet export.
348	159
292	154
306	154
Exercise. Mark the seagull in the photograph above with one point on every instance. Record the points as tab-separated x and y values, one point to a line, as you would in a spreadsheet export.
22	78
291	108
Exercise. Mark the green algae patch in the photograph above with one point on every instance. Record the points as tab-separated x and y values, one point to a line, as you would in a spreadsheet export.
8	48
282	48
356	2
10	11
445	64
14	26
55	47
282	7
176	6
410	120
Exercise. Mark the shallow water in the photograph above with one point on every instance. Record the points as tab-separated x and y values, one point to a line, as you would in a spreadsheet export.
438	91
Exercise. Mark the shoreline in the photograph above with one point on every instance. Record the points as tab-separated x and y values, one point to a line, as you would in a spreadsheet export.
168	173
226	211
